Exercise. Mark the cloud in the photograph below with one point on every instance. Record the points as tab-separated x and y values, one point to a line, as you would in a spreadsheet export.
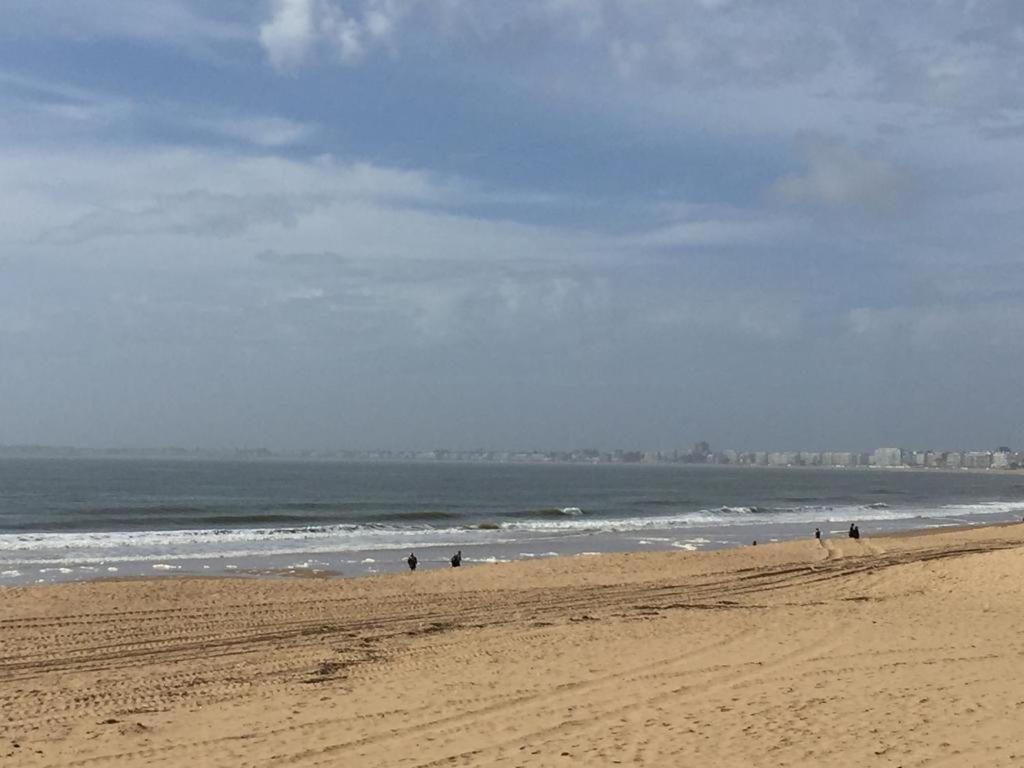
35	101
261	131
715	232
736	312
159	196
839	176
39	108
938	327
194	213
287	36
181	23
296	26
743	67
467	200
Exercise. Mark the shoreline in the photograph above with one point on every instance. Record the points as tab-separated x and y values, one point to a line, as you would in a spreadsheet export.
284	574
317	562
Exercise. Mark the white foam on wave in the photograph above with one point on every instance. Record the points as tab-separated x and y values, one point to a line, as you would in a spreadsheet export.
11	574
142	546
688	546
55	551
165	567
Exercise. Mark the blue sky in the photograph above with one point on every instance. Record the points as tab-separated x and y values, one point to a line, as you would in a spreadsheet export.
554	223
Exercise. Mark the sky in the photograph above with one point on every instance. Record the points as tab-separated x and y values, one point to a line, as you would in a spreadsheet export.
543	224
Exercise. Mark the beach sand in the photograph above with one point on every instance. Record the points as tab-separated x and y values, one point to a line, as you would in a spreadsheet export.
904	651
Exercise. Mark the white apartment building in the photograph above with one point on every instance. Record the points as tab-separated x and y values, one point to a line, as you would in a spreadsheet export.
887	457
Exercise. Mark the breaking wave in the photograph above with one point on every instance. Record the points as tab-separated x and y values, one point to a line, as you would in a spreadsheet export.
420	529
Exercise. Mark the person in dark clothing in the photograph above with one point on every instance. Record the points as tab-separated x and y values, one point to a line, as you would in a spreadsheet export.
817	533
457	559
853	531
856	532
412	561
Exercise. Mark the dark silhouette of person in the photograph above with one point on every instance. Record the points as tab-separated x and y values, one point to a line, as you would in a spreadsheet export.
755	543
817	533
853	531
457	559
856	532
412	561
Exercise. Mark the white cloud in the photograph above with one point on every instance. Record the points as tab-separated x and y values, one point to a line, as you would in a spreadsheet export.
184	191
839	176
31	99
261	131
297	26
289	33
187	210
715	232
39	108
194	213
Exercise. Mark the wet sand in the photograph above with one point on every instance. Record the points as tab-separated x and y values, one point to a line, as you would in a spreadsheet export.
903	651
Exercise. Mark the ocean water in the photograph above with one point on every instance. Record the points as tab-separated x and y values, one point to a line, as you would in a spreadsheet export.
80	519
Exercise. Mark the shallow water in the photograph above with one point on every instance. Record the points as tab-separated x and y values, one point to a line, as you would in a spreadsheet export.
78	519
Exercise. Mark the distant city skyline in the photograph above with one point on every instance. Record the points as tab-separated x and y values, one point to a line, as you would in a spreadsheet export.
312	223
1001	457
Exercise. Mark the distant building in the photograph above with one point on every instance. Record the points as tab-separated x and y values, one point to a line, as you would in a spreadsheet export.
977	460
729	457
809	458
887	457
841	459
1001	459
701	452
782	458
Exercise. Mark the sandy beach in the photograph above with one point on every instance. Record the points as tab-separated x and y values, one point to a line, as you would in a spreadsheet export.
904	651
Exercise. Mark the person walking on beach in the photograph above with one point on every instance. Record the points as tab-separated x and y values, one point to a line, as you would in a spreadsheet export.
853	531
412	561
817	533
856	531
457	559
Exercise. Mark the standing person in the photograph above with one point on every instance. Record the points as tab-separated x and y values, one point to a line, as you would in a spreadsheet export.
853	531
856	532
457	559
412	561
817	533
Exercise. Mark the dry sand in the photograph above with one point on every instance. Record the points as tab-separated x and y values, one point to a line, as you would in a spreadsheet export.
890	652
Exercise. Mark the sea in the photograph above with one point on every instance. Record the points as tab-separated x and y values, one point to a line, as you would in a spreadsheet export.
79	519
